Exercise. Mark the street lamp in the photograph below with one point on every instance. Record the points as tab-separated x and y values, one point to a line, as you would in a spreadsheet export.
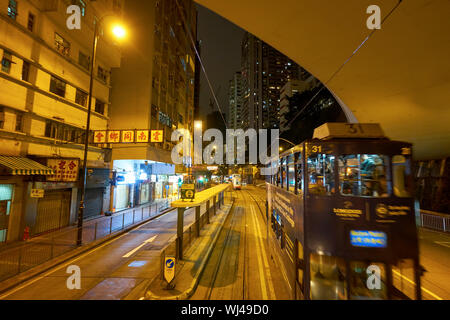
119	32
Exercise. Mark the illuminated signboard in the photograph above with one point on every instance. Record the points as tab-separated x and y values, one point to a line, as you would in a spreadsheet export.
368	239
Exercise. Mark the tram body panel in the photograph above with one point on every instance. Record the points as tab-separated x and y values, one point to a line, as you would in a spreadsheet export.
346	220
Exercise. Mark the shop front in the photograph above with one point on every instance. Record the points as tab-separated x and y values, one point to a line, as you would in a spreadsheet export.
16	174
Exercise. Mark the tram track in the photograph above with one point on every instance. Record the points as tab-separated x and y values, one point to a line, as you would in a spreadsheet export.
233	236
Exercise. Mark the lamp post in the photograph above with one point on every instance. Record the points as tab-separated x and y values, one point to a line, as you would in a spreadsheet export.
119	32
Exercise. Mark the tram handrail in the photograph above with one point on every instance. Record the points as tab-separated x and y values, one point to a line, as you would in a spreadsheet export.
434	220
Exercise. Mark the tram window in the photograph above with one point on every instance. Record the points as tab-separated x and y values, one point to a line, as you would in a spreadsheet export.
364	288
401	176
321	174
291	172
299	167
363	175
327	278
403	270
284	173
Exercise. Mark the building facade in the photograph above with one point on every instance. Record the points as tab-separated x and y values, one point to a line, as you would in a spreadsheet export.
44	83
235	102
264	71
154	89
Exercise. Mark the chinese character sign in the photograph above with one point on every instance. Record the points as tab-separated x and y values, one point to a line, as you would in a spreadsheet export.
141	136
113	136
128	136
65	169
157	135
100	137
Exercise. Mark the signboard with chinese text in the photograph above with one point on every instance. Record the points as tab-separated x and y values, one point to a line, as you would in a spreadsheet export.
157	135
142	136
100	137
37	193
66	170
113	136
368	239
128	136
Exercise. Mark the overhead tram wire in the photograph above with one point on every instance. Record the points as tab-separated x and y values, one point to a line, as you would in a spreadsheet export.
187	25
345	62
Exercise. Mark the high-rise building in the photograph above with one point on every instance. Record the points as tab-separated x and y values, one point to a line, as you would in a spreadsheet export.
154	89
291	87
235	102
44	85
264	71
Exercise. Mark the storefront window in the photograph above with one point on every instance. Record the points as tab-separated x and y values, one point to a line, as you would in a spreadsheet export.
367	281
321	174
401	176
363	175
6	193
327	278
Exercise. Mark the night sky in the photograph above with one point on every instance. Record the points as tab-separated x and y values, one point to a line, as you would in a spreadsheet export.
221	55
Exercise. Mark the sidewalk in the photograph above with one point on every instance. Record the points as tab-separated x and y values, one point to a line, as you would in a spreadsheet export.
189	270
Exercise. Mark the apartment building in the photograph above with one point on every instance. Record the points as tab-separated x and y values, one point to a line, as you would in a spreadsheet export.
44	84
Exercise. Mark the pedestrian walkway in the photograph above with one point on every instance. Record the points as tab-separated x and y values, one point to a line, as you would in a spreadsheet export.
189	270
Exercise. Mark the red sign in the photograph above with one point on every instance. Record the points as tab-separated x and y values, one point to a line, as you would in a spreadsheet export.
65	169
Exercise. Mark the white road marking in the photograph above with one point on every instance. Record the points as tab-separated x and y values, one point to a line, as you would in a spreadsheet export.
26	284
266	261
443	243
127	255
261	272
412	282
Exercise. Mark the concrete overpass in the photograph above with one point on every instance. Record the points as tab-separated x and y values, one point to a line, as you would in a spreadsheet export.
399	78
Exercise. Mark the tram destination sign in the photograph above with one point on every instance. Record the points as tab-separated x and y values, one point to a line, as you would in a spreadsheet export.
368	239
348	130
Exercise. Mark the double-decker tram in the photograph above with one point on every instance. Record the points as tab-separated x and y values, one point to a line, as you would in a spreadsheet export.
342	215
236	180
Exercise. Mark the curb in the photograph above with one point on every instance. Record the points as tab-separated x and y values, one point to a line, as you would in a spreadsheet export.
46	266
190	291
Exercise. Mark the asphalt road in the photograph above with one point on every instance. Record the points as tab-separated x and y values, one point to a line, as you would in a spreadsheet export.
118	269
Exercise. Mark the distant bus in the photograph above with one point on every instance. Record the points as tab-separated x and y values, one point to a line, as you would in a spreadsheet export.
236	180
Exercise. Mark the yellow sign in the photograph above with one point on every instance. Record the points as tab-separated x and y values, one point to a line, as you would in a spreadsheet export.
113	136
128	136
100	137
37	193
157	136
142	136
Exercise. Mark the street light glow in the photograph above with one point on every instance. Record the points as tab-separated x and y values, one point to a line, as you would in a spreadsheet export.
198	124
119	31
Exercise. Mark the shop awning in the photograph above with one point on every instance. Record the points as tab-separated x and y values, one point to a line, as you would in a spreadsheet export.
23	166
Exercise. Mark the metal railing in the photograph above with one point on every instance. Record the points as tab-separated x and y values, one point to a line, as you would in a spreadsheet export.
189	234
434	220
17	259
